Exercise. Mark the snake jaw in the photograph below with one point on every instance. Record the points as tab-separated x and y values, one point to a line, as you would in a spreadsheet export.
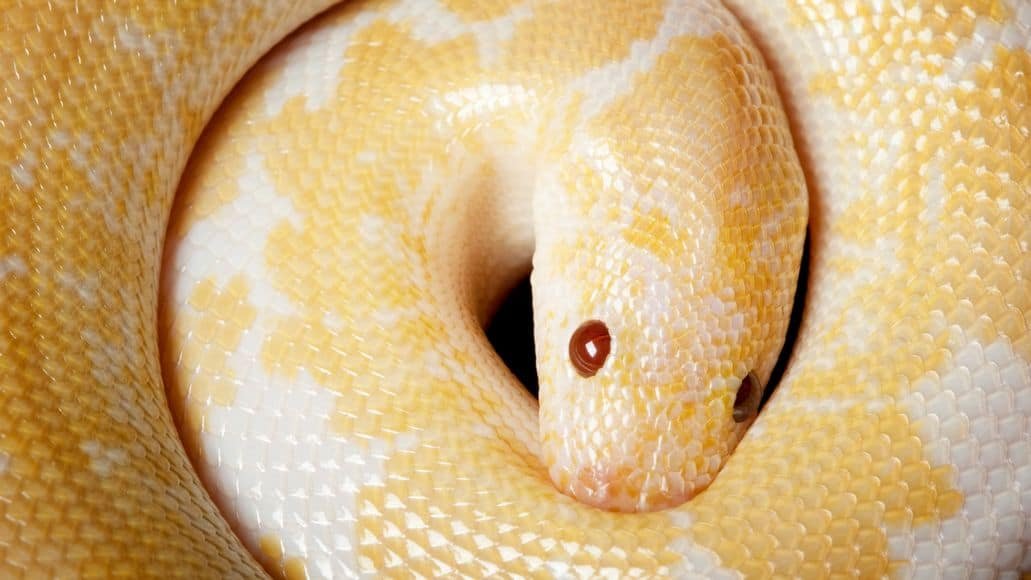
648	431
647	459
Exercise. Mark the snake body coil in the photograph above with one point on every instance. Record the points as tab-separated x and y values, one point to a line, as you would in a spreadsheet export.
313	394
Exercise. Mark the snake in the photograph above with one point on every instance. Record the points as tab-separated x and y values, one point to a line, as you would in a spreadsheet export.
779	259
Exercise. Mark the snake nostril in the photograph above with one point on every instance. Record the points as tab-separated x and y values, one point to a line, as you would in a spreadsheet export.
589	347
746	403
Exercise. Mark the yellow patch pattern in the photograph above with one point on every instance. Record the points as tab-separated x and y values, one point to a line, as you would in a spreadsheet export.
100	106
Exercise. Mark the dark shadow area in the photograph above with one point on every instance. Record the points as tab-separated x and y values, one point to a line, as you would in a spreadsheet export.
793	326
511	334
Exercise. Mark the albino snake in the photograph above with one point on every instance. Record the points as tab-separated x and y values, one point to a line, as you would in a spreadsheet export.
313	394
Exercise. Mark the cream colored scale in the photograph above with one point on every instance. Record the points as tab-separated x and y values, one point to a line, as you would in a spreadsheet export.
362	200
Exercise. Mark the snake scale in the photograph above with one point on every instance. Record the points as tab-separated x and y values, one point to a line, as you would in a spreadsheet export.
248	340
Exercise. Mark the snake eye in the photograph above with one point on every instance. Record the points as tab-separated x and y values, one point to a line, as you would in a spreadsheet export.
589	347
746	403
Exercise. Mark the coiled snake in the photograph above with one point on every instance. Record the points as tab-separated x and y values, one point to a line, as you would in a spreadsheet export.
315	395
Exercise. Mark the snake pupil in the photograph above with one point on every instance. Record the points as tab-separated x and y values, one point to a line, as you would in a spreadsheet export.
746	403
589	347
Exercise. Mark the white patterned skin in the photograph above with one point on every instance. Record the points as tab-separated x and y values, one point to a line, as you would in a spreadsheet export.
362	201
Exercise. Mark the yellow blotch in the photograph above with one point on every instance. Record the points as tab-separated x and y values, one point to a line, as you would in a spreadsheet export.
536	41
368	196
824	483
110	126
821	487
205	332
271	548
656	234
210	179
270	553
510	516
225	312
737	162
951	207
295	569
479	10
699	121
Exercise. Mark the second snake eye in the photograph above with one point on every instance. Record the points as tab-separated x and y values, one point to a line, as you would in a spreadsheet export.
589	347
746	402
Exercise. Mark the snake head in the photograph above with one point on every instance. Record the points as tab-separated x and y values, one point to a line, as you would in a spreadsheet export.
668	246
651	367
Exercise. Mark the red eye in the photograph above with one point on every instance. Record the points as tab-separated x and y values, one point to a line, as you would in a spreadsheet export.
589	347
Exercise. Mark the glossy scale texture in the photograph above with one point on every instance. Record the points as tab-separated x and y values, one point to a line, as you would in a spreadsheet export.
314	395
